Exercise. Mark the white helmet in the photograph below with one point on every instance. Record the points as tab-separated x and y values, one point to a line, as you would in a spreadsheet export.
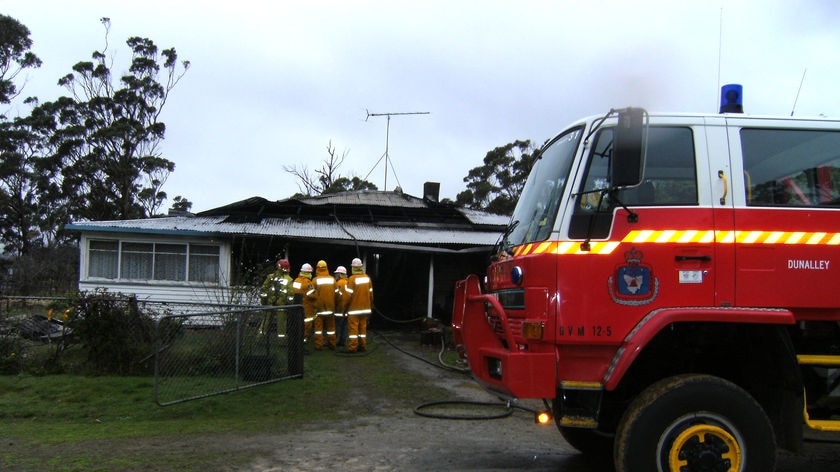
341	270
306	267
356	262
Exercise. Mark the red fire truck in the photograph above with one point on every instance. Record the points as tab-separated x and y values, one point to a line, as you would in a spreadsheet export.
669	285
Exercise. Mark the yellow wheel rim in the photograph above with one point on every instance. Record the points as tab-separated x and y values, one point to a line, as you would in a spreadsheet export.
705	443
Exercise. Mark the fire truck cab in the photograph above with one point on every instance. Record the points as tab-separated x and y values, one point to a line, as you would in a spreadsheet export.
668	284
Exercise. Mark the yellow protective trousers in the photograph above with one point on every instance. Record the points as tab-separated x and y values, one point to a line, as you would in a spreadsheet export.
325	326
357	332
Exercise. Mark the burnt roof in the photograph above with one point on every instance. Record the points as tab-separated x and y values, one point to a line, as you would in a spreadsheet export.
358	206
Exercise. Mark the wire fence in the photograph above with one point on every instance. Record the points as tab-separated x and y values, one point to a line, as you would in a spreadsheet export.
191	350
228	350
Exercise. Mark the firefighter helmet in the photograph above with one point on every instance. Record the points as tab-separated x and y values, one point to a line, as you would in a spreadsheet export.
322	264
356	262
341	270
306	267
283	264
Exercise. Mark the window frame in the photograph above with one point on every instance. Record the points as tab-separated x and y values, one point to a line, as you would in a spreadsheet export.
588	202
201	262
796	186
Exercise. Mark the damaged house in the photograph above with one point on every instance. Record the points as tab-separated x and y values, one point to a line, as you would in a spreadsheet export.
415	249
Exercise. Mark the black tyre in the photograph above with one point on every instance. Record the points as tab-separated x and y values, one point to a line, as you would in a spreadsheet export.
588	441
694	423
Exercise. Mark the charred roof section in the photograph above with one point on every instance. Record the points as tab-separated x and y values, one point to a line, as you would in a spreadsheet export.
372	207
374	218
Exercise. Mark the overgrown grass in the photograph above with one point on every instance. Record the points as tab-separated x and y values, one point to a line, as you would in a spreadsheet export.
45	419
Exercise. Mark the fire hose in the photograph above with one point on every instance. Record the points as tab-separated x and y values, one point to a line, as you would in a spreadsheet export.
422	409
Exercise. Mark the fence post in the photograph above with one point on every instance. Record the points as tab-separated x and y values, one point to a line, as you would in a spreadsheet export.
237	343
294	333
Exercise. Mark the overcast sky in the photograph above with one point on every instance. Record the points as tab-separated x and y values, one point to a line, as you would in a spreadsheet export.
272	83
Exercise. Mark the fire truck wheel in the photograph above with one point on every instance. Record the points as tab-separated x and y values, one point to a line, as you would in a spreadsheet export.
692	423
588	441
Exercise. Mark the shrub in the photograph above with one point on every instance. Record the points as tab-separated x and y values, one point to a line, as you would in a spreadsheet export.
118	336
10	358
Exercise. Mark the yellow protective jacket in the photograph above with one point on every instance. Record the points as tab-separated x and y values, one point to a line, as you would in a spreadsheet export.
305	294
360	288
341	296
324	292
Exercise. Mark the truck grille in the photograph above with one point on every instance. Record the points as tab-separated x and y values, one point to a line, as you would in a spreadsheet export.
514	324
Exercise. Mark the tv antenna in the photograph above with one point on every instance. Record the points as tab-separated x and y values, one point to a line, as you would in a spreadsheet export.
386	156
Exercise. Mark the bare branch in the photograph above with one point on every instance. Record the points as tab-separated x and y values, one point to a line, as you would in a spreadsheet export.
307	183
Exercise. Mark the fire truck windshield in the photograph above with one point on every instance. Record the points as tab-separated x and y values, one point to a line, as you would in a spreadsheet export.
533	218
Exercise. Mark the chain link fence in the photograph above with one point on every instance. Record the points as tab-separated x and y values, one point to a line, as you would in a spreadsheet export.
213	352
191	350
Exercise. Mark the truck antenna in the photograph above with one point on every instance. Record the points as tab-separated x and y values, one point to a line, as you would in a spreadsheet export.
720	50
387	135
797	91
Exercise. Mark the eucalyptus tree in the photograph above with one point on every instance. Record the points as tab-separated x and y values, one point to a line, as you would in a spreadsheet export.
15	56
495	185
109	132
18	193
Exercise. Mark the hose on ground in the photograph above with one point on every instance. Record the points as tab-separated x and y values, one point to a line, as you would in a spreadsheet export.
422	409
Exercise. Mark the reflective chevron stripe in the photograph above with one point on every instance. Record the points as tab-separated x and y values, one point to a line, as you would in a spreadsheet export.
650	236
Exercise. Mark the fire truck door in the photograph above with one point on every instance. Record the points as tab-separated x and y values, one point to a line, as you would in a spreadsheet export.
786	250
722	185
674	237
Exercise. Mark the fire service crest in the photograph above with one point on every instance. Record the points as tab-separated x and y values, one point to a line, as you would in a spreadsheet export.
634	282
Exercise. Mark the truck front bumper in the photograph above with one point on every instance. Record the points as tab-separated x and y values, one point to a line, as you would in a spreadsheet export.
497	360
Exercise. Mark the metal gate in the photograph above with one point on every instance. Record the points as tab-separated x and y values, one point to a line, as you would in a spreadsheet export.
200	354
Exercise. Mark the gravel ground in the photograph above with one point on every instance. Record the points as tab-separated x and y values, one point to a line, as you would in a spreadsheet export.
400	440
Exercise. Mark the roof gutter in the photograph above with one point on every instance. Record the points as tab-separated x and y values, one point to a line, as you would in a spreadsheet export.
112	229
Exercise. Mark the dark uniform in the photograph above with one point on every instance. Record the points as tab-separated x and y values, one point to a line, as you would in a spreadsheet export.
277	291
341	299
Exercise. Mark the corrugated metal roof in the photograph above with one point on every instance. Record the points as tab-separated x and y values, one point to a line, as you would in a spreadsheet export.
368	198
428	224
483	218
293	228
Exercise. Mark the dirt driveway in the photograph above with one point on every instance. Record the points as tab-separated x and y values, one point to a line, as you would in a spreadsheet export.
398	439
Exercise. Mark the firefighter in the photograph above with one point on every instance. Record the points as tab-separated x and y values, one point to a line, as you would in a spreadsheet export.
305	295
359	306
277	291
341	299
324	306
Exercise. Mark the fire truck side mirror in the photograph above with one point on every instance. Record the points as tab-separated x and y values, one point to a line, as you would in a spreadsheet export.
629	148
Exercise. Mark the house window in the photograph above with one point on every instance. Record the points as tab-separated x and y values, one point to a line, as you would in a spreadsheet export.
136	261
204	263
153	261
170	261
103	259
